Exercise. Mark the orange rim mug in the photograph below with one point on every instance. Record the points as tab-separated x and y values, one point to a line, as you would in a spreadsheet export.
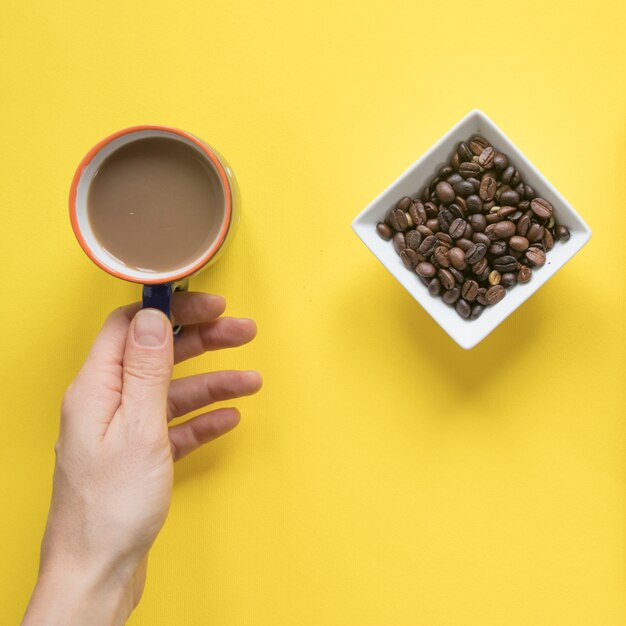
158	287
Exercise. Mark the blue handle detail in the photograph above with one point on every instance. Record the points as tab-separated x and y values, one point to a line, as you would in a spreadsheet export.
158	297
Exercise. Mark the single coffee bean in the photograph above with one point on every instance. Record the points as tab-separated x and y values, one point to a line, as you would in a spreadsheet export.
475	253
434	287
424	231
508	279
478	221
451	296
469	169
425	281
455	161
409	258
444	191
427	247
486	157
446	279
487	188
456	210
477	311
523	225
492	218
404	203
481	298
475	183
418	213
541	208
535	233
464	188
505	264
502	230
445	171
551	222
495	294
384	231
398	220
465	154
477	144
440	257
464	244
454	179
468	232
548	239
507	175
399	242
515	179
480	266
497	248
508	211
413	239
425	269
509	197
500	161
457	228
495	277
445	239
529	192
469	290
535	256
445	219
474	203
524	274
463	309
524	205
481	238
431	210
519	243
433	224
458	276
562	233
456	256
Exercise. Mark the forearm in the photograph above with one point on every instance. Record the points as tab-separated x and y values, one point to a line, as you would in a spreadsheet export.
74	598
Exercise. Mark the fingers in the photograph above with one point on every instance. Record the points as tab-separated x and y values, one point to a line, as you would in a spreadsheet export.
147	363
194	392
187	437
225	332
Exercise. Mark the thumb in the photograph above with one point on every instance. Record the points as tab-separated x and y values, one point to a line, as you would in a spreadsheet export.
147	363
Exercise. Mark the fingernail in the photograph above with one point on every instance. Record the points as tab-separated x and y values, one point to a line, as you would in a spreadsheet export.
151	328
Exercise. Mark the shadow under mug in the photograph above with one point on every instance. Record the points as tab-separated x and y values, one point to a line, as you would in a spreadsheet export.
158	286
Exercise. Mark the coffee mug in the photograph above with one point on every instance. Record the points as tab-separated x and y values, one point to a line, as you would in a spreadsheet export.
158	286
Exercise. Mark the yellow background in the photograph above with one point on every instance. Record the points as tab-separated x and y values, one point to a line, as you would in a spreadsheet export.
383	476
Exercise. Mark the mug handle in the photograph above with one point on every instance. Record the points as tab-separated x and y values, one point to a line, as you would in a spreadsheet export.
160	297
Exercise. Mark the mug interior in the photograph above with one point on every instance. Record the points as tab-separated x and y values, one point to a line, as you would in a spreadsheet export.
80	215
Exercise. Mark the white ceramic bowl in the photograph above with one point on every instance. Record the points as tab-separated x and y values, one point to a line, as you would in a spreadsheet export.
467	333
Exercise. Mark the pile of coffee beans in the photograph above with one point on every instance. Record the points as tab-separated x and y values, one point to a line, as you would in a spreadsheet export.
476	230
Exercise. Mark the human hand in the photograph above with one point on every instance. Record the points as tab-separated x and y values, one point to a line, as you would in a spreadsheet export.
114	456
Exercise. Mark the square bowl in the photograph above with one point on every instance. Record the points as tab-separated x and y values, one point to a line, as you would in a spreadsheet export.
467	333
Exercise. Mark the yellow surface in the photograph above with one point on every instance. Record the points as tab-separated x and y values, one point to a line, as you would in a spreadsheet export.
384	476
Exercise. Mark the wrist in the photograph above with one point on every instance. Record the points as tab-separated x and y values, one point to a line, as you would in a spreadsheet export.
69	596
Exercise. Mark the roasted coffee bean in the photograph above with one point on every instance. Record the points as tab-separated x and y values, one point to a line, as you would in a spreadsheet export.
475	183
431	210
399	242
384	231
524	274
535	233
508	211
456	210
464	188
535	256
505	264
456	256
446	278
500	162
477	221
463	309
445	219
434	287
477	144
424	231
465	154
551	222
461	203
457	228
433	224
445	171
423	280
440	257
524	205
487	188
481	297
404	203
495	294
418	213
445	239
507	175
562	233
409	258
500	230
454	179
494	277
475	253
425	269
481	238
509	197
480	266
477	311
413	239
508	279
427	247
451	296
474	203
398	220
468	232
455	161
519	243
523	225
444	191
492	218
548	239
486	157
497	248
469	169
464	244
469	290
458	276
541	208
